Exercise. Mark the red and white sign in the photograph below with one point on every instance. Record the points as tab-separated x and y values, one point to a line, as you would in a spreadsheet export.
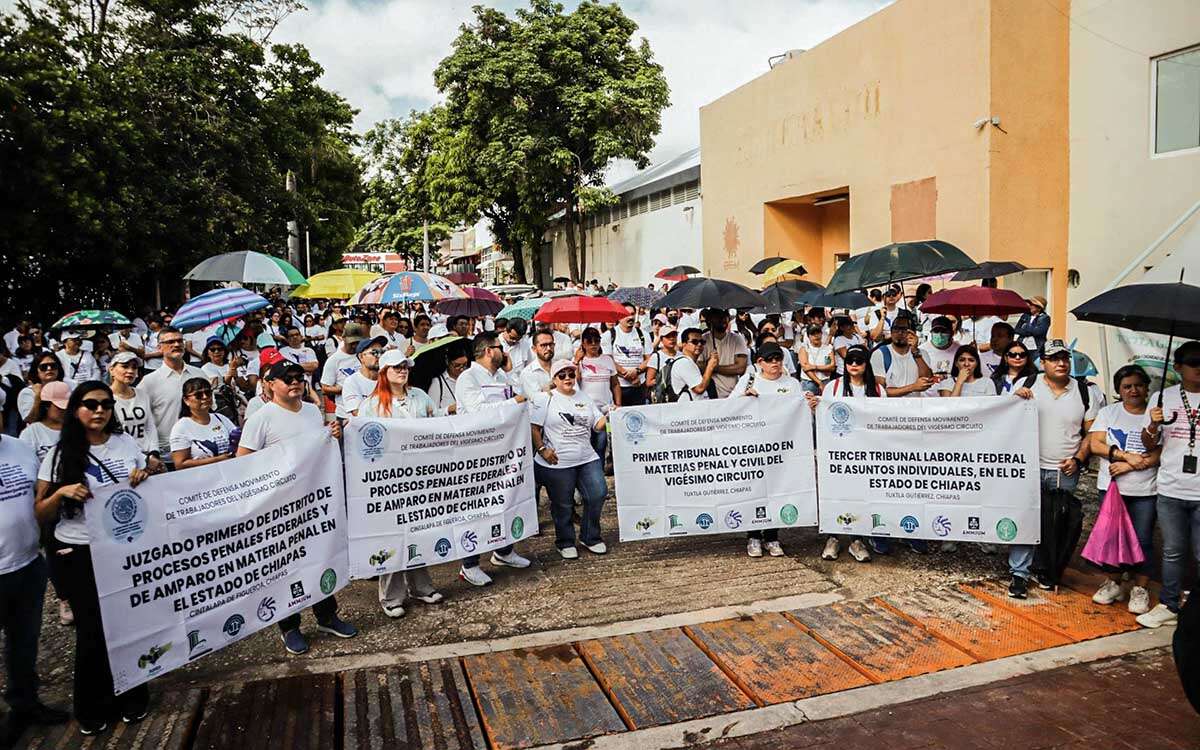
378	262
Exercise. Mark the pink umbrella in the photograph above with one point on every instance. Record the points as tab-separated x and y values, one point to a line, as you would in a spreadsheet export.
975	300
479	302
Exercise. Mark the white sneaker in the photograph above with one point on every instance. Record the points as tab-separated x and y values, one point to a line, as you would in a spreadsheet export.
831	549
1139	600
474	576
949	546
1108	593
1158	617
511	560
858	551
599	548
569	553
754	547
394	611
774	549
432	597
987	549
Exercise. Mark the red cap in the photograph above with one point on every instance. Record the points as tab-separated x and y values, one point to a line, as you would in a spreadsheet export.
268	356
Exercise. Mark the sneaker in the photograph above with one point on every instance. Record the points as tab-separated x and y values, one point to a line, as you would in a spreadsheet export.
1108	593
1139	600
1044	583
880	545
294	641
568	553
774	549
1019	588
511	560
754	547
949	547
599	548
133	717
988	549
433	597
65	615
1158	617
338	627
474	575
90	728
858	551
394	611
831	549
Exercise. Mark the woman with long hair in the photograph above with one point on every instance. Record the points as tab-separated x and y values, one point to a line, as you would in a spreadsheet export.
394	398
966	376
201	436
46	367
92	451
1016	365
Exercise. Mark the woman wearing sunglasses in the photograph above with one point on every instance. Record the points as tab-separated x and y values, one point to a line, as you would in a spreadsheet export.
1016	365
562	422
92	451
201	436
45	368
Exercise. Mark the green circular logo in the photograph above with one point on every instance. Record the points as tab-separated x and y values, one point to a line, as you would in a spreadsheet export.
518	527
1006	529
328	581
788	514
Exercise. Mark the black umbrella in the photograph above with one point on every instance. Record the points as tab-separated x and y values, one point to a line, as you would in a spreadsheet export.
765	263
1168	309
899	261
839	300
701	292
989	270
787	296
561	280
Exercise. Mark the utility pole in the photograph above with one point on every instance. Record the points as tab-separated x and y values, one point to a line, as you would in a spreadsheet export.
425	243
307	255
293	225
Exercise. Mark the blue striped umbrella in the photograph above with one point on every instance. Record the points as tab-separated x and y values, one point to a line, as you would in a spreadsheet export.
218	304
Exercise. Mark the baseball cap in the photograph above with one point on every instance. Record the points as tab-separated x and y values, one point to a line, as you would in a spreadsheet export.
121	358
661	318
560	365
355	332
1055	347
394	358
365	344
268	356
215	340
942	321
282	367
57	393
667	330
768	349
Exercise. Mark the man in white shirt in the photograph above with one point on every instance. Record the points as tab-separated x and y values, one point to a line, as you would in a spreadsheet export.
1001	337
687	381
297	352
481	387
388	330
126	340
733	354
164	387
78	364
900	363
359	386
286	416
628	346
534	377
342	364
517	348
940	352
20	329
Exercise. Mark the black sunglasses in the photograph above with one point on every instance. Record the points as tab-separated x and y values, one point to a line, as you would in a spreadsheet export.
856	360
565	374
49	366
291	378
1017	355
773	358
92	404
203	393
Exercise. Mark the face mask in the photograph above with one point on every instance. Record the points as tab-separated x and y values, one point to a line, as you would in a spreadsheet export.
940	340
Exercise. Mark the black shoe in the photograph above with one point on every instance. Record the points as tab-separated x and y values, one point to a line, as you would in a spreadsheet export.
42	714
1044	583
1019	588
134	716
92	727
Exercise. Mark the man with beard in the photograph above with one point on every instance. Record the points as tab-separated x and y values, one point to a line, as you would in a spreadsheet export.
733	355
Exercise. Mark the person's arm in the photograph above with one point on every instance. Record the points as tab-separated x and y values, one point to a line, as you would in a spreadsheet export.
1076	463
706	376
183	459
30	408
311	366
48	498
329	384
547	453
615	386
740	362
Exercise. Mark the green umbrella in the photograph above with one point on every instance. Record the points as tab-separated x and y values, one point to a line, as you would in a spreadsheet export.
92	319
525	309
247	267
436	344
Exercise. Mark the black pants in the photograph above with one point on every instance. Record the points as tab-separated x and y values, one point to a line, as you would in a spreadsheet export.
765	535
324	610
633	395
94	699
21	595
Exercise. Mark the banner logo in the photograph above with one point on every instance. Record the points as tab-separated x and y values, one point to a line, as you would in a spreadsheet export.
645	524
328	581
635	426
675	524
371	437
380	557
125	519
941	526
789	514
704	521
266	609
413	554
733	519
469	541
877	521
442	547
517	527
152	656
233	625
196	645
909	524
841	418
1006	529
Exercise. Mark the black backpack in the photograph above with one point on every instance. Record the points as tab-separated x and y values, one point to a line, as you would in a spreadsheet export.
662	393
1084	388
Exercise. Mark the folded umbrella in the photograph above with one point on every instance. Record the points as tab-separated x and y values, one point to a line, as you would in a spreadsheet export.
638	296
989	269
581	310
897	262
762	265
479	302
219	304
246	267
975	300
704	292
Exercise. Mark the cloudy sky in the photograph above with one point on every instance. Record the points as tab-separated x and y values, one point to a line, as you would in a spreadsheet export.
380	54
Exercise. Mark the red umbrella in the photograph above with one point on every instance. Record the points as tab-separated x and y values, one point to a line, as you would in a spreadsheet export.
479	302
975	300
581	310
463	277
676	273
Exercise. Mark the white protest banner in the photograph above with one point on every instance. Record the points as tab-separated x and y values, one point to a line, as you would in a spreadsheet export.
712	467
189	562
424	491
960	469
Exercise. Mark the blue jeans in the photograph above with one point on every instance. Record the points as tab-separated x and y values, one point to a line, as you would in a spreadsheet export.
1020	556
600	444
21	594
561	485
1180	524
809	386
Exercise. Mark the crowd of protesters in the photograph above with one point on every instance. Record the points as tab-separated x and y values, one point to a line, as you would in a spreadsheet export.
82	409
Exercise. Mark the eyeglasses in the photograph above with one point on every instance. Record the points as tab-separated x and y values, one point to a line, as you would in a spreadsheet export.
565	375
94	405
696	342
203	394
1017	355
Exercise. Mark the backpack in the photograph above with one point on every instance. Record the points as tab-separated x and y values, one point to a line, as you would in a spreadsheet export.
1084	388
228	402
886	349
662	393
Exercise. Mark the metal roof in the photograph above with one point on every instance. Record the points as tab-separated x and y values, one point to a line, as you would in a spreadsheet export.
683	168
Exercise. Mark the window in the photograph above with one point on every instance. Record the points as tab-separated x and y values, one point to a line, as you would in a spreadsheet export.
1177	101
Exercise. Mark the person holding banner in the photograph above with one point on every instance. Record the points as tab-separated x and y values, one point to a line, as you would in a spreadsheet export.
92	451
483	386
395	398
201	436
563	422
285	417
361	384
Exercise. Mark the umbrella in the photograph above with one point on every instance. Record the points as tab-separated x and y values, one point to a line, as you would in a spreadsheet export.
92	319
407	286
638	296
218	304
787	296
561	280
899	261
676	273
479	302
704	292
975	300
1169	309
438	344
781	268
581	310
523	309
341	283
463	277
989	269
426	367
766	263
839	300
247	267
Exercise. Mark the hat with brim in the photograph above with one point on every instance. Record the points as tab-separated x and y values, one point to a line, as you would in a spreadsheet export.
121	358
560	365
667	330
57	392
355	332
1038	300
366	344
1054	348
394	358
768	350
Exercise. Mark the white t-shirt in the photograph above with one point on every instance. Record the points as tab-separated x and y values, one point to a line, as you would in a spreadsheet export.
300	355
902	372
1172	482
133	340
817	355
18	527
338	367
940	361
113	461
40	438
1060	421
728	349
567	423
205	440
151	347
977	387
981	329
273	424
79	367
834	388
355	390
989	361
477	389
1124	430
686	375
315	333
628	349
519	354
844	342
25	399
137	420
395	339
595	378
564	346
784	385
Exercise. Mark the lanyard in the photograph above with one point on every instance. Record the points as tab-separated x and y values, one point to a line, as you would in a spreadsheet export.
1192	416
